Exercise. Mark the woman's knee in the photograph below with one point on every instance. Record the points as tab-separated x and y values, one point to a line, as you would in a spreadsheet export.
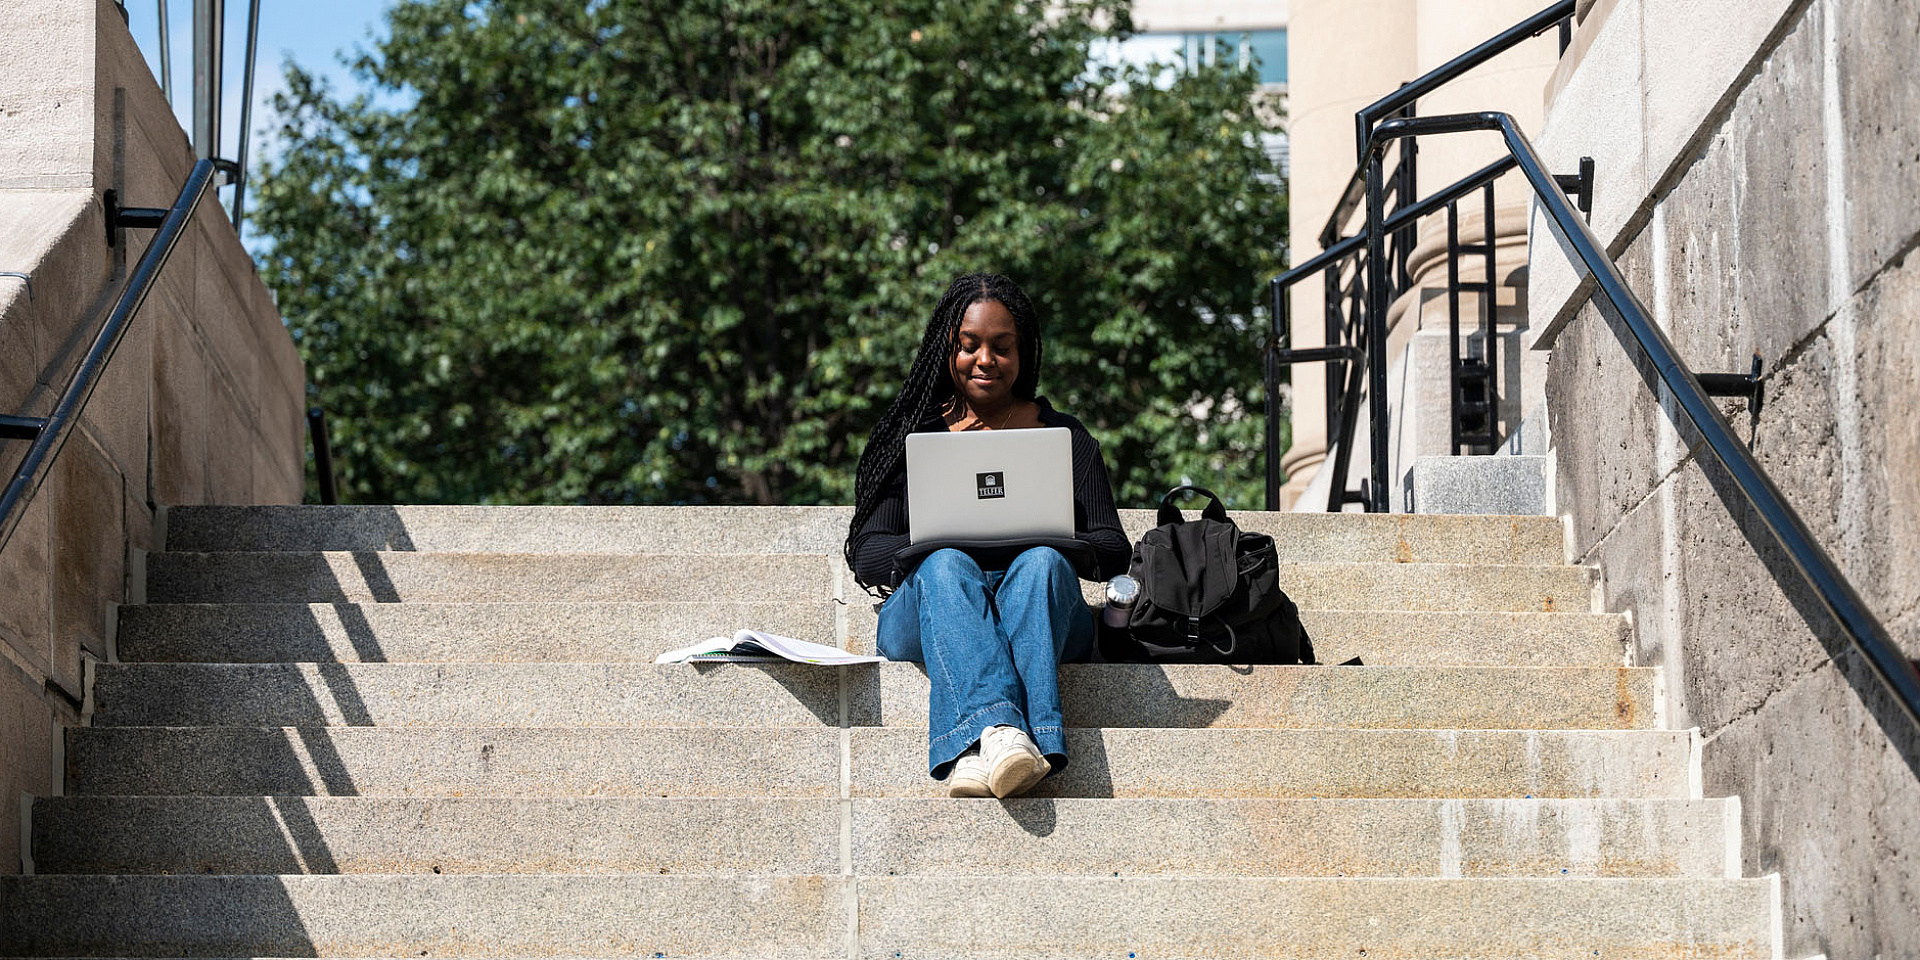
1045	562
948	564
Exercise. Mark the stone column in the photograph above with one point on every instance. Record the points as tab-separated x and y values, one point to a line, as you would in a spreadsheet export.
1510	83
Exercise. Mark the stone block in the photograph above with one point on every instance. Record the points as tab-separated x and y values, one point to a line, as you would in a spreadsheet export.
1638	564
715	918
116	415
1613	440
1878	100
1775	132
47	137
54	238
1280	838
1506	485
180	414
1745	225
138	516
1601	113
1695	51
276	476
230	442
89	554
515	761
281	409
1830	803
1887	316
26	754
172	298
26	580
221	307
484	633
1119	762
1296	917
155	161
1744	637
158	154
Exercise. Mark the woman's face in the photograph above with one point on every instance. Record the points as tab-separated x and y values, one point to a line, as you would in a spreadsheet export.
986	356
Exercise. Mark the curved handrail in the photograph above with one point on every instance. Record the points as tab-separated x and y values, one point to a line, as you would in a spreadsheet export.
1810	559
51	433
1364	121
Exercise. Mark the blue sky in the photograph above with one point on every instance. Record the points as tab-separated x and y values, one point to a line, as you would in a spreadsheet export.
308	33
314	35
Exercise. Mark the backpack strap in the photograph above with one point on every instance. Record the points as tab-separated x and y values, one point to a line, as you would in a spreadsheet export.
1226	652
1169	513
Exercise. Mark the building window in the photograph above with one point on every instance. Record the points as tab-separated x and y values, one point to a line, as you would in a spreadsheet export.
1261	50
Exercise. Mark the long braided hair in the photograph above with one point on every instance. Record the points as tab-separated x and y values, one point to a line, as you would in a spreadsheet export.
929	386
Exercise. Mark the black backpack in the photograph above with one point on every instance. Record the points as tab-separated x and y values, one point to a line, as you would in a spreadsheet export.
1209	593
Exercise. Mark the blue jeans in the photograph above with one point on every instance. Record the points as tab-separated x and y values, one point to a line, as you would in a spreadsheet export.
992	642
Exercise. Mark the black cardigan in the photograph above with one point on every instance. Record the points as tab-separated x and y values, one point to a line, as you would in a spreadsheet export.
1095	521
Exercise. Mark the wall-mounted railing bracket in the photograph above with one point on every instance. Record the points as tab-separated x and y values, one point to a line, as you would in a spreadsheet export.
21	428
1747	385
129	218
1579	186
1287	355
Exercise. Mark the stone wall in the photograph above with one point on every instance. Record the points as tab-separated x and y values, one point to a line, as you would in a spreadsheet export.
201	404
1758	169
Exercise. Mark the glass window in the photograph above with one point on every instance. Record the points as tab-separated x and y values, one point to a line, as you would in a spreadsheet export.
1270	49
1266	47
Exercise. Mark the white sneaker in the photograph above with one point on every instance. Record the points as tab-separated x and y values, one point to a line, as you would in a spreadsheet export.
968	778
1014	764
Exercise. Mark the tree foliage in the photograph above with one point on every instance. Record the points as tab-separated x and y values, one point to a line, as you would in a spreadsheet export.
628	251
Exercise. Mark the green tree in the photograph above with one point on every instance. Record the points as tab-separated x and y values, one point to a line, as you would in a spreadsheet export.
628	251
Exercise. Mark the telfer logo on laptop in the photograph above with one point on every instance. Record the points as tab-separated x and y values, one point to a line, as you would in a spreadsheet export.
991	486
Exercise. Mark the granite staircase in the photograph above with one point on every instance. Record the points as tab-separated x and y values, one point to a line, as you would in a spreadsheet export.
416	731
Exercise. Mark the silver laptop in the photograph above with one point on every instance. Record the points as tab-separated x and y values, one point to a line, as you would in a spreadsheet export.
990	485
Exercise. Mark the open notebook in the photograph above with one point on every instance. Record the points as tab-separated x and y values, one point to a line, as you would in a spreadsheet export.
752	646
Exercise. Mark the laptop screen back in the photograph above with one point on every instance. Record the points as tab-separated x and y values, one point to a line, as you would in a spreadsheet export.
990	484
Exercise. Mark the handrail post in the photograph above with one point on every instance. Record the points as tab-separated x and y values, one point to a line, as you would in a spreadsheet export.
1376	331
322	456
1279	341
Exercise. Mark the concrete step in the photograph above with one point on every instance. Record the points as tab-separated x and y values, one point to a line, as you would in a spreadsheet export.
485	577
613	632
1319	918
808	917
1067	837
885	762
1302	537
890	694
482	577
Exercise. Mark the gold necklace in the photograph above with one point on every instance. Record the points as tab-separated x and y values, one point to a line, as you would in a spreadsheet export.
1003	420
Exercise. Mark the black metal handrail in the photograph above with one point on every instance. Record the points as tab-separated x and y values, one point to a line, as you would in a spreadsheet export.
1341	420
50	433
1559	14
1809	559
322	456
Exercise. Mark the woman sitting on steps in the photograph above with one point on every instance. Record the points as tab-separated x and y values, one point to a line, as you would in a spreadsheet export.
991	639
